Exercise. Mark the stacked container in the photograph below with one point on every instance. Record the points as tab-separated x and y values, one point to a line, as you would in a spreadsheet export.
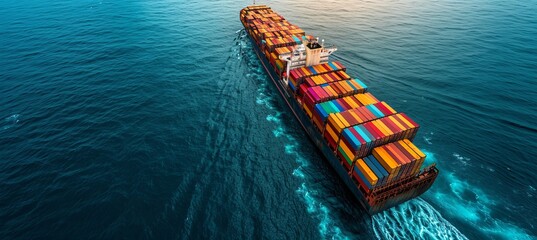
371	139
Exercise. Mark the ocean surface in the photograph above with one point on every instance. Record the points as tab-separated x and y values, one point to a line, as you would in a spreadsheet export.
154	119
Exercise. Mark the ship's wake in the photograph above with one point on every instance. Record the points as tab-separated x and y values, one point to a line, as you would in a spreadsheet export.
10	121
315	207
415	219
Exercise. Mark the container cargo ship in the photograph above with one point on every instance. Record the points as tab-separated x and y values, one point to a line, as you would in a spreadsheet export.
366	141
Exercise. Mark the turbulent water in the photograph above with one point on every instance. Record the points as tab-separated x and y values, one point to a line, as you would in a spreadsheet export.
154	119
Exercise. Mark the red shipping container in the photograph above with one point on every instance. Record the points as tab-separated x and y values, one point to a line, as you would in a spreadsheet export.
302	89
317	121
326	78
396	131
313	95
343	103
399	160
383	136
349	118
359	113
373	131
365	112
308	100
415	125
322	94
382	108
337	88
334	76
331	141
309	82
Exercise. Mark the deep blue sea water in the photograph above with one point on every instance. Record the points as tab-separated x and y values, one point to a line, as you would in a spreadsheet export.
153	119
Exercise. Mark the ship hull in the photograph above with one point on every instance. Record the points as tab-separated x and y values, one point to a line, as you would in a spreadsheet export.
374	202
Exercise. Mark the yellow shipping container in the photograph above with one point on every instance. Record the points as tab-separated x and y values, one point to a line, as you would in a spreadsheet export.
362	99
416	149
346	149
342	120
345	86
389	107
389	164
338	125
367	172
308	111
360	120
316	80
331	132
316	67
419	155
375	122
345	75
396	122
405	121
351	102
330	91
388	130
418	159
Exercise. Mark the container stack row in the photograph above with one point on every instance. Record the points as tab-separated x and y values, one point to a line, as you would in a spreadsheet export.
334	90
298	75
322	109
362	138
326	78
390	162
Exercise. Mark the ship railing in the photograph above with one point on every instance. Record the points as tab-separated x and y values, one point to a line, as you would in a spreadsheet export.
425	171
404	191
330	47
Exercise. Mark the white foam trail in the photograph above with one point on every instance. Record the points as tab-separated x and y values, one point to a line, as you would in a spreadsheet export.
428	137
463	160
10	121
415	219
327	227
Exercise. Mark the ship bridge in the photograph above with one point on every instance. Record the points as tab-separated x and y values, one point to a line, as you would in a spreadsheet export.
309	53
